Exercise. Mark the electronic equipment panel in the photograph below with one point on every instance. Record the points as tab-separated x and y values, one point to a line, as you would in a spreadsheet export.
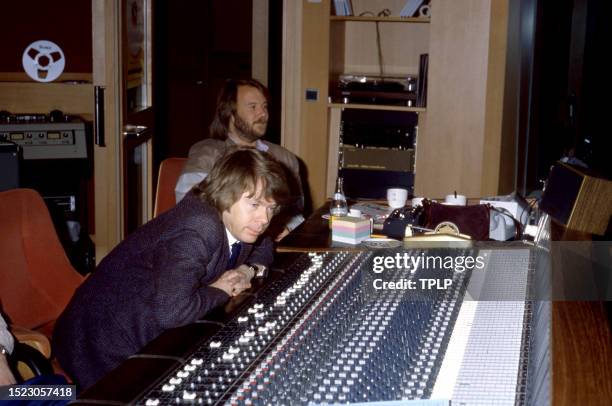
394	91
324	334
376	151
47	140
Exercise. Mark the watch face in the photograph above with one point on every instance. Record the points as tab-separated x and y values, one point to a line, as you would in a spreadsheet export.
259	271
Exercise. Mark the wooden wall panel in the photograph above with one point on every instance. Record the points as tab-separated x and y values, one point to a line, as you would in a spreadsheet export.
495	175
43	97
107	160
465	96
292	73
400	43
315	75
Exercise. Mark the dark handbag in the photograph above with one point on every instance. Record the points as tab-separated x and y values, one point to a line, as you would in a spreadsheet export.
471	220
395	225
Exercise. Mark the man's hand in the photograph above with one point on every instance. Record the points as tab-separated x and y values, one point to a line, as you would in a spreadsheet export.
6	376
234	281
282	234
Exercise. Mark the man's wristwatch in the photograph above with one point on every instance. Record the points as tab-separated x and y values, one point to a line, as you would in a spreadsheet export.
259	271
3	350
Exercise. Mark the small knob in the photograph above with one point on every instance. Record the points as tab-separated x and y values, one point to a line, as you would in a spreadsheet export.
57	116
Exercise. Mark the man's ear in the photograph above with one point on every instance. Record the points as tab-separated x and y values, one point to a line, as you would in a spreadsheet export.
222	217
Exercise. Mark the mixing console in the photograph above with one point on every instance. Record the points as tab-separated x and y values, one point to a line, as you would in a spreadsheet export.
322	335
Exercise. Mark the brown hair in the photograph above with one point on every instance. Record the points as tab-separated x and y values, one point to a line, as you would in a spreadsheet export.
241	171
226	105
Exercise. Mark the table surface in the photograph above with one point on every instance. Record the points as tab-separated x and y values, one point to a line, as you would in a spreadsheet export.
581	334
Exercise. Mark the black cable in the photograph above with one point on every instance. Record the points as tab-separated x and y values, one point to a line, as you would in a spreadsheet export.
383	13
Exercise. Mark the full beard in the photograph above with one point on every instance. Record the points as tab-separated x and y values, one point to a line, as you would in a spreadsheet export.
247	132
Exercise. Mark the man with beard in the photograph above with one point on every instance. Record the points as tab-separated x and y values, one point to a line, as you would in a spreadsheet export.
241	119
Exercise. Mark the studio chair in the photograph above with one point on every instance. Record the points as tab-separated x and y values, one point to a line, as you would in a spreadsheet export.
29	361
169	172
36	278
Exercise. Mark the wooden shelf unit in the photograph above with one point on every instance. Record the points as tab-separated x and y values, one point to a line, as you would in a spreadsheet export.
460	137
354	49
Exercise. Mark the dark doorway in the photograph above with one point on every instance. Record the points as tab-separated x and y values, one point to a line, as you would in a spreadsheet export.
570	87
198	45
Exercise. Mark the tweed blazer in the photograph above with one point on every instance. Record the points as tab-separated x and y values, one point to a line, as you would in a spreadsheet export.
156	279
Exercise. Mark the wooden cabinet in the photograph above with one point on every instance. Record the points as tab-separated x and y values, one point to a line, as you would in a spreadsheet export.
459	144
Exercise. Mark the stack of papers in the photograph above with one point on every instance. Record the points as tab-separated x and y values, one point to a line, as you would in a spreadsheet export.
376	211
410	8
343	7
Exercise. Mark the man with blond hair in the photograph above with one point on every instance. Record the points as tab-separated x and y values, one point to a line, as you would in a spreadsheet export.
176	268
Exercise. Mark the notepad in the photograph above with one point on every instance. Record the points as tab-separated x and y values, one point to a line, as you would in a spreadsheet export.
350	230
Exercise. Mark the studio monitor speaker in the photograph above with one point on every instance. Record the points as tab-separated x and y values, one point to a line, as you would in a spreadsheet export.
578	199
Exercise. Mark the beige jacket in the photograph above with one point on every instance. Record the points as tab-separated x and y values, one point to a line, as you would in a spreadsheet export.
204	154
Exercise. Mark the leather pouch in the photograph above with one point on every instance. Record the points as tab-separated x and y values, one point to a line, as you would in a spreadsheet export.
471	220
395	225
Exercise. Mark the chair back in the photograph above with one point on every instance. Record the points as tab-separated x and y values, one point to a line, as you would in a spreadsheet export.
169	172
36	278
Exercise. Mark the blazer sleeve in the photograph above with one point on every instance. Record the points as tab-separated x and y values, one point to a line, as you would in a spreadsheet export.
183	270
263	252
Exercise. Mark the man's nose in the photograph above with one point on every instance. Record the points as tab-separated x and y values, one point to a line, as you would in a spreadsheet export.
262	112
263	215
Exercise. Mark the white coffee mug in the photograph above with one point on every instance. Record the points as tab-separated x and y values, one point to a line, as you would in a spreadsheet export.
455	200
396	197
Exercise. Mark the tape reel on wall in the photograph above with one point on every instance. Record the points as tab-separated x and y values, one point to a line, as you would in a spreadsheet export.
43	61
